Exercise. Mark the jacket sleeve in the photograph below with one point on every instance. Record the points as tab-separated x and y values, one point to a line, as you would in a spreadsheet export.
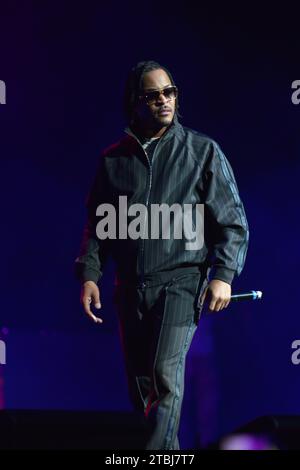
90	260
225	222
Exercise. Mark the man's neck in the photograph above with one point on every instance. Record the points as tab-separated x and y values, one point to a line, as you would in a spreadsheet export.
148	133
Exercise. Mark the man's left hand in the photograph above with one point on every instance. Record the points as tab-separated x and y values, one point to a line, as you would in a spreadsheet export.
219	293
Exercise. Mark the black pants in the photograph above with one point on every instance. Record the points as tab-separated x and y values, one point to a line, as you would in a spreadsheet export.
157	324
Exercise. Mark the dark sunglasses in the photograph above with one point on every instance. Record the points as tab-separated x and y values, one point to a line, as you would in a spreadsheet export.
170	93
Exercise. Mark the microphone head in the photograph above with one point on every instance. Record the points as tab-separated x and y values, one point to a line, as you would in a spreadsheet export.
259	294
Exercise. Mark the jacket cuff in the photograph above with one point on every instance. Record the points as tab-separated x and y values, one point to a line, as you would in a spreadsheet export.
221	273
90	275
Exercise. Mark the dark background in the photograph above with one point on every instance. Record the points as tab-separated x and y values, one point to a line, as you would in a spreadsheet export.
64	65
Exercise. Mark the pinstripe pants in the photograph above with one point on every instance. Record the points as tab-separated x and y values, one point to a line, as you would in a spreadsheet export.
157	324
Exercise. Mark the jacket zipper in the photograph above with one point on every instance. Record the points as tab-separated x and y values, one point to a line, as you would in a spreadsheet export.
142	284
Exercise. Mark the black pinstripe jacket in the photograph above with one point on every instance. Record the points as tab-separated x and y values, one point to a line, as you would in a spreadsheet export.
186	168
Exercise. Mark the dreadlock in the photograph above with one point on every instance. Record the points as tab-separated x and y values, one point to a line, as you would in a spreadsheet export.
133	86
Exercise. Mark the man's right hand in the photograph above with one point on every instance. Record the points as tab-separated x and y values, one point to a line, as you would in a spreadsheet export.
90	294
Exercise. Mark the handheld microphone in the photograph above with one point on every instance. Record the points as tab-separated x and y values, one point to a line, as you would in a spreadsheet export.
252	295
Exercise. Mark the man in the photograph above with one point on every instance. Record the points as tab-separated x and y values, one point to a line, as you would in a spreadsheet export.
161	283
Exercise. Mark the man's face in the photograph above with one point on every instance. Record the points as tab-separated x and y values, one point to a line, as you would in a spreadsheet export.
160	113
